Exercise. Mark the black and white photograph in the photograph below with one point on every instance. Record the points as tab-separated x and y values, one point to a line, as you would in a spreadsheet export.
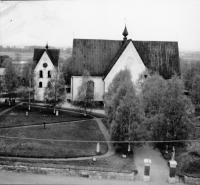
103	92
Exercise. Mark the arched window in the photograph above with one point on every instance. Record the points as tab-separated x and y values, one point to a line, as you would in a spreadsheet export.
40	84
41	74
49	74
90	89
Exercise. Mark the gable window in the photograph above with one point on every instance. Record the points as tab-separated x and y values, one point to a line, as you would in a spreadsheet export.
41	74
90	89
49	74
40	84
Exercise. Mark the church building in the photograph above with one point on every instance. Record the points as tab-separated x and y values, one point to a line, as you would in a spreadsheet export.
46	65
105	58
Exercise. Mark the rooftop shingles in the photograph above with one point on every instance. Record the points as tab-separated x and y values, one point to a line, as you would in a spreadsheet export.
52	53
162	57
99	56
93	55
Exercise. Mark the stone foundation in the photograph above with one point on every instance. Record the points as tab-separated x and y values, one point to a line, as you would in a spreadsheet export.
69	172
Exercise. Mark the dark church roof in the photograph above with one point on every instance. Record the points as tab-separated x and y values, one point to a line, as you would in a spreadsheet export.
99	56
52	53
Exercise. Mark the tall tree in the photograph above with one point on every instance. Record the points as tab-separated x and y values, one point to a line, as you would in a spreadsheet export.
110	100
167	109
2	58
1	86
55	90
85	96
191	69
27	81
123	108
11	79
66	69
5	61
129	116
195	92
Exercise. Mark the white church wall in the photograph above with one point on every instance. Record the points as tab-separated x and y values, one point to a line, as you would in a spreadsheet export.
39	94
98	87
129	59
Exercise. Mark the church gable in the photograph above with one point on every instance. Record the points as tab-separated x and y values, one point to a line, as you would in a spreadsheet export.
129	58
53	55
44	63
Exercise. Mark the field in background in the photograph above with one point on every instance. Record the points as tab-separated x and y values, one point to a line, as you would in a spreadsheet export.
26	55
190	56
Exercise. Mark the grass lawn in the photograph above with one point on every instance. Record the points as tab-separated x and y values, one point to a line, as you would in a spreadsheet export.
83	130
114	163
17	116
4	106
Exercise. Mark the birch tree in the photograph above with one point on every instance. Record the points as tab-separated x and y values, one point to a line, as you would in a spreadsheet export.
55	91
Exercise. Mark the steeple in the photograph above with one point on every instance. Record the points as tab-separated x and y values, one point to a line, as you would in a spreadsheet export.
47	46
125	33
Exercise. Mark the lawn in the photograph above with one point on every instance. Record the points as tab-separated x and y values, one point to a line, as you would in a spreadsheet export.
4	106
113	163
17	116
82	131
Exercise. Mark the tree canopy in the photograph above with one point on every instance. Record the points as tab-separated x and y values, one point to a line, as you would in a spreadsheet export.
195	91
85	97
55	91
66	69
11	78
167	109
111	99
27	84
123	108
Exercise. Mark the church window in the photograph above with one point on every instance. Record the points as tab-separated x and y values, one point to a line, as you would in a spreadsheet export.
49	74
41	74
68	89
90	89
40	84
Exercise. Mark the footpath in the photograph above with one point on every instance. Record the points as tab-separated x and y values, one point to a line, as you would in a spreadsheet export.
159	171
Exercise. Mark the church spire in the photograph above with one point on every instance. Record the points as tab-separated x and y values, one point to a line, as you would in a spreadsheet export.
47	46
125	33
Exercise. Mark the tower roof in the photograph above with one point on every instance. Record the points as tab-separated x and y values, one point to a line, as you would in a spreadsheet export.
52	53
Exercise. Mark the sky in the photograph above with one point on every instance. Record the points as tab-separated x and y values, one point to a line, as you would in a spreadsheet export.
24	23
